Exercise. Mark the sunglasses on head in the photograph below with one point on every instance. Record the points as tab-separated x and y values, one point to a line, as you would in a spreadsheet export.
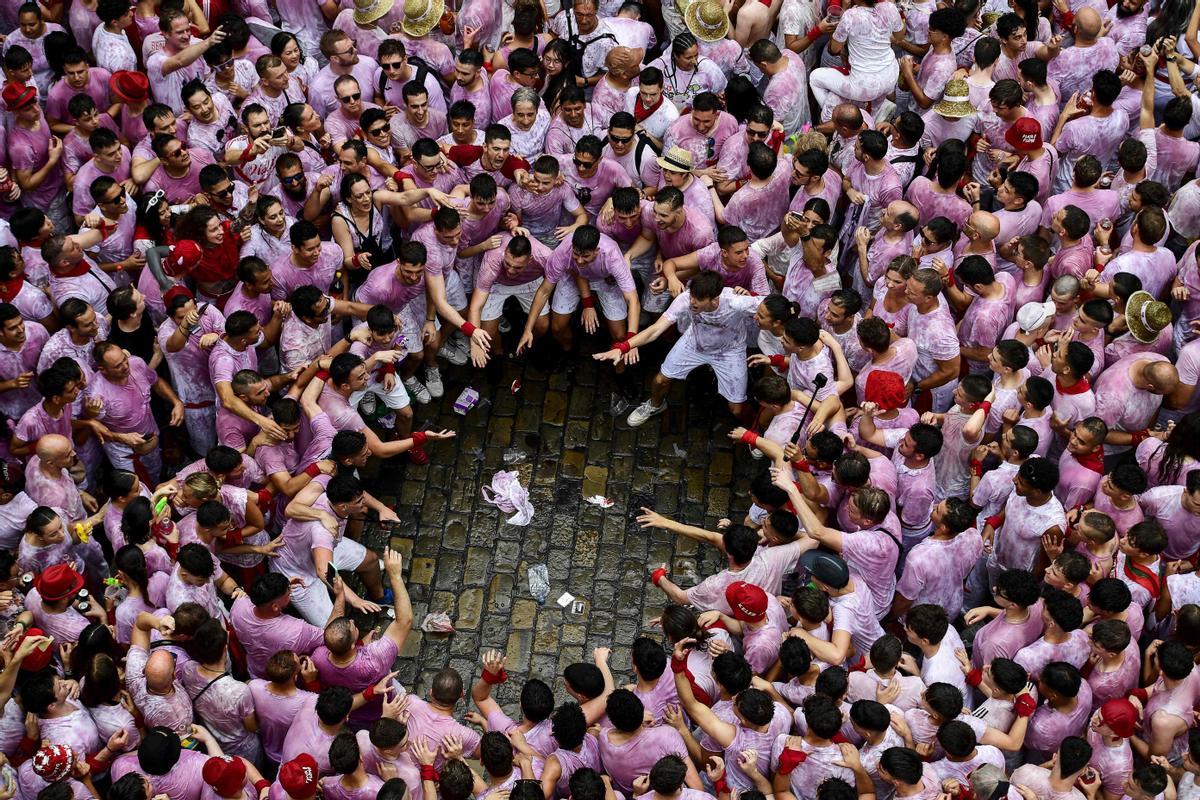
351	98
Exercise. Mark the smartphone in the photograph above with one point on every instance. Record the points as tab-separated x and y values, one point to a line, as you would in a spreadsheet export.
330	573
203	307
279	132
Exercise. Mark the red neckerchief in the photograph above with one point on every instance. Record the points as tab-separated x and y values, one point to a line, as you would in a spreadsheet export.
10	289
1143	577
1093	461
82	268
640	112
1080	386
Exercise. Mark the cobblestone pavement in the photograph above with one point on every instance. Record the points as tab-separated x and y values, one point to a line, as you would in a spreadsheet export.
461	557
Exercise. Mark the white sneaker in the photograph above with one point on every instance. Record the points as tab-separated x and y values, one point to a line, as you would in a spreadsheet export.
451	352
433	382
417	390
463	345
642	413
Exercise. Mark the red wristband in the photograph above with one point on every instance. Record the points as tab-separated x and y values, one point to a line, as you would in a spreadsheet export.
312	470
622	347
1137	437
468	329
779	362
588	302
678	665
358	260
657	576
233	538
996	520
721	786
1141	694
419	438
975	677
313	686
261	784
985	406
428	773
369	693
629	336
399	176
323	375
976	467
491	678
802	466
750	438
814	33
1025	705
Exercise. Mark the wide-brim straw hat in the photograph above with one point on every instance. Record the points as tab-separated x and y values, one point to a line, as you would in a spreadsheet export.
420	16
1146	317
367	11
707	20
956	101
677	159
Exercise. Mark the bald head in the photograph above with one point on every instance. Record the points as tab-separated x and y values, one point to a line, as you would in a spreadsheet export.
848	115
339	636
53	447
1162	377
986	225
1087	23
160	671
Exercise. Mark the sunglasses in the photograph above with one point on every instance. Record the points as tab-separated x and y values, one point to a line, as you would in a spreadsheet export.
584	194
155	199
757	134
224	65
226	192
120	195
579	163
351	98
392	65
620	139
176	153
290	179
381	130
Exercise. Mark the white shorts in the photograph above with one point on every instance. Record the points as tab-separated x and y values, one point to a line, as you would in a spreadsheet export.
493	307
456	296
311	598
412	323
396	399
729	367
612	300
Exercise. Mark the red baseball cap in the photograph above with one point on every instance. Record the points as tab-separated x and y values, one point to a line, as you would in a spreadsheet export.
58	582
39	659
17	95
225	774
299	776
1024	135
1121	716
747	601
53	762
185	255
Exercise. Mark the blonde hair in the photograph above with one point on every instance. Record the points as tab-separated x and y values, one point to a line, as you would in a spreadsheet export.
202	484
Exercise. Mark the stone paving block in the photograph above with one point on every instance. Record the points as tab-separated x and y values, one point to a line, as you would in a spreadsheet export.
422	570
470	608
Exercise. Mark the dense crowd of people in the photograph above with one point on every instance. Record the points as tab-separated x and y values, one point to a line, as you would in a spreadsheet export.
940	257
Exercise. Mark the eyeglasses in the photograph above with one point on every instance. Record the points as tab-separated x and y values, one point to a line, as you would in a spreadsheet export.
351	98
392	65
758	134
620	139
381	130
530	73
291	179
176	153
581	164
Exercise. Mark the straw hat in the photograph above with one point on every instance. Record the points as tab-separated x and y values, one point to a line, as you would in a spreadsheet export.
367	11
707	20
956	102
420	16
677	159
1146	317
